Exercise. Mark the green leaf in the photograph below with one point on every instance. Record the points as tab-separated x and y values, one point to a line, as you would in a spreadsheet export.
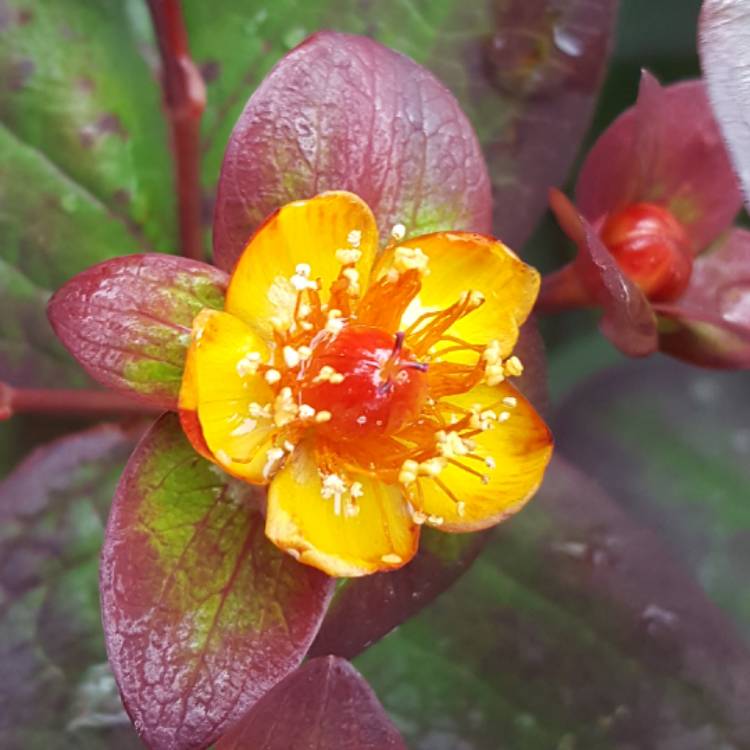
574	629
85	169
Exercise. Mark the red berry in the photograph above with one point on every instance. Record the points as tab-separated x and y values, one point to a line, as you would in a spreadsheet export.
652	249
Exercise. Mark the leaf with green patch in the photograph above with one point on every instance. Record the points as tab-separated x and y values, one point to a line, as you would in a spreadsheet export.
202	615
526	72
674	443
52	512
574	629
325	704
128	320
85	170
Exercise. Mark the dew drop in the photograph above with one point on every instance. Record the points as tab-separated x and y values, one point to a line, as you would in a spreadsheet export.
566	42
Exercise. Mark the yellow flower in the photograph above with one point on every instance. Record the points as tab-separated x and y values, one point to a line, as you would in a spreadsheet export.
369	391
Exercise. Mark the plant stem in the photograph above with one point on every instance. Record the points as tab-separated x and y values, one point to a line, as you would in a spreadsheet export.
184	100
69	403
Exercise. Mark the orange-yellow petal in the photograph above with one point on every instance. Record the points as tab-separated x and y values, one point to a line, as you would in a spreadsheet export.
307	232
460	262
317	527
188	405
514	453
220	386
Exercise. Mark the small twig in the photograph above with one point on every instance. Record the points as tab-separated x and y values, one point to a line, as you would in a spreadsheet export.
185	100
69	403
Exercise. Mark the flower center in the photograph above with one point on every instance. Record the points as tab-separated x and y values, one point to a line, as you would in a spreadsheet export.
652	249
366	379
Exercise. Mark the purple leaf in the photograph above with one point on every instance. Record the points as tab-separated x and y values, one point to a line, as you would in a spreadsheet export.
325	705
366	609
53	508
576	627
128	320
343	112
709	325
673	442
202	615
667	150
542	71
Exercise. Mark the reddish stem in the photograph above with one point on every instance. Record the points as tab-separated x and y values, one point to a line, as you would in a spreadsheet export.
68	403
185	100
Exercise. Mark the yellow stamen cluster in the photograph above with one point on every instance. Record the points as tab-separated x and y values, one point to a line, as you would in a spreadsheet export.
496	370
249	364
410	258
285	409
452	445
344	493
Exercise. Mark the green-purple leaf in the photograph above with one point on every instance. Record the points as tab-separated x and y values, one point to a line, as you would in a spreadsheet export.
128	320
202	615
85	167
674	443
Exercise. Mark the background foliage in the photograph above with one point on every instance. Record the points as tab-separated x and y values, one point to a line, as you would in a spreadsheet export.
610	614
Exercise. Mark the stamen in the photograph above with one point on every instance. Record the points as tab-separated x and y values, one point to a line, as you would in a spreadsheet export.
424	338
483	477
273	459
334	324
291	357
514	367
444	488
